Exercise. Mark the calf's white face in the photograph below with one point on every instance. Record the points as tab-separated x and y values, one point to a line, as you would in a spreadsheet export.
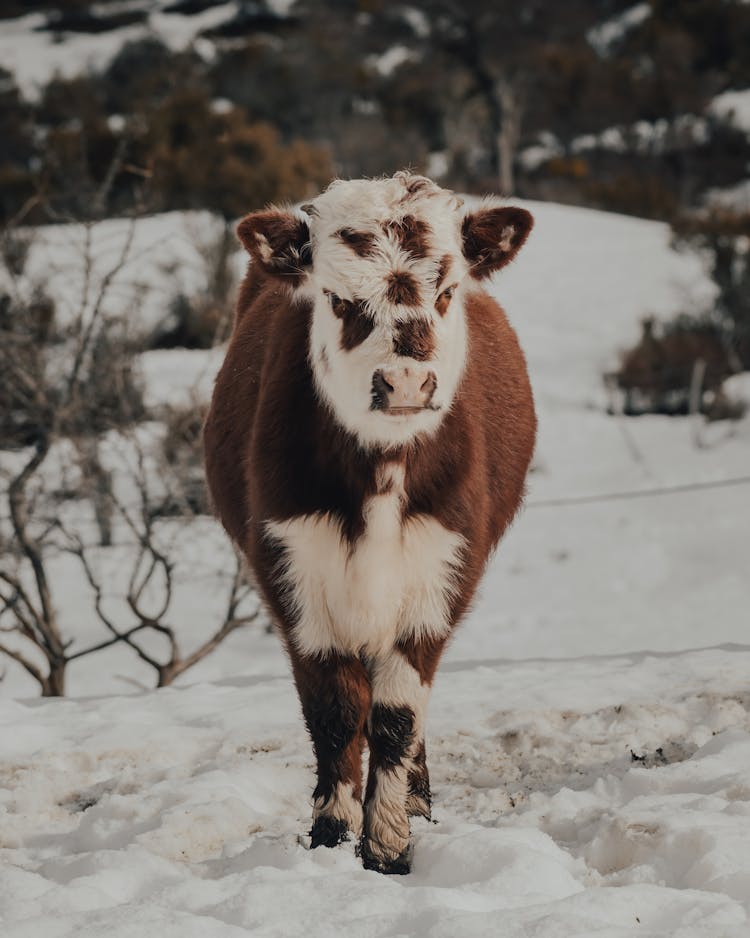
386	264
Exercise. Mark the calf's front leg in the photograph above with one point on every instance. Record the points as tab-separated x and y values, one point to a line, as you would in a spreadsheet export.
397	783
335	695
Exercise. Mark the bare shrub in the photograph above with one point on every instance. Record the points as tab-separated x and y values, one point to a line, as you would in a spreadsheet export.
67	392
679	367
722	236
656	374
203	320
182	451
110	394
25	397
14	250
204	158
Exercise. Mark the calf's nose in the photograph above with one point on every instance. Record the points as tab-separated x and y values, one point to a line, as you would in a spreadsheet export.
409	387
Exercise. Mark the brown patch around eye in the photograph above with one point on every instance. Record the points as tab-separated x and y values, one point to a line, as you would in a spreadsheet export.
361	242
403	289
443	267
357	325
413	338
444	300
412	234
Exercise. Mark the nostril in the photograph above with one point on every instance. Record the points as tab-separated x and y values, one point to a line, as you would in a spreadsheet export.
380	381
429	384
380	392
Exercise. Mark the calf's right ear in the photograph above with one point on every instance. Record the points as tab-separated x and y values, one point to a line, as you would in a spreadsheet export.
277	241
493	236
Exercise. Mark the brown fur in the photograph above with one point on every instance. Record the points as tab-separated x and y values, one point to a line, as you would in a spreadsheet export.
413	234
444	301
286	237
357	324
414	339
335	697
493	237
442	270
403	289
361	242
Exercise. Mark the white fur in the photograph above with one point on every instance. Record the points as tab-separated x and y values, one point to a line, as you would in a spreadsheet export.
387	820
507	238
395	683
264	248
345	384
394	582
342	805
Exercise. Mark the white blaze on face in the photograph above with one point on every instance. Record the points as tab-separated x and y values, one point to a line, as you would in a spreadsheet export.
394	230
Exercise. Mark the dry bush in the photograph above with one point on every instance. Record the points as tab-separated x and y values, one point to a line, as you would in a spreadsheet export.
658	372
182	451
203	158
111	393
722	237
27	337
680	366
193	322
645	194
65	395
203	320
40	395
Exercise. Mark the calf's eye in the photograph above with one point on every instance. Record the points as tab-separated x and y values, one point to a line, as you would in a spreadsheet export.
443	301
337	304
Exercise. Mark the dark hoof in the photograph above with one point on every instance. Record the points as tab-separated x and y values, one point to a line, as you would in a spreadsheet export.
398	867
328	832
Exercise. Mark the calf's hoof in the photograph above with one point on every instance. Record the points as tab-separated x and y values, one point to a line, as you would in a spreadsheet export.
328	831
391	866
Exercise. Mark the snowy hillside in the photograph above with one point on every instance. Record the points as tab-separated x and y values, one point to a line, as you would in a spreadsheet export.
589	732
34	51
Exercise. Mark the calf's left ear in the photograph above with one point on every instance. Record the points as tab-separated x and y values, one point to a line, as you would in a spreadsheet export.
277	241
493	236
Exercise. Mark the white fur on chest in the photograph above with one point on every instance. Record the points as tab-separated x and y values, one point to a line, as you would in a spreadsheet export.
394	582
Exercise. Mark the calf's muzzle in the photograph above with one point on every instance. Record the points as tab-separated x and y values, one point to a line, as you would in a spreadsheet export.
403	389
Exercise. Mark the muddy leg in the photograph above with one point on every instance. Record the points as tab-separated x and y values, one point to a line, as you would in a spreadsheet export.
335	697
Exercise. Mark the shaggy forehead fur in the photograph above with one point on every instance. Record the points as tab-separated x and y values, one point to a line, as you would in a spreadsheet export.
387	242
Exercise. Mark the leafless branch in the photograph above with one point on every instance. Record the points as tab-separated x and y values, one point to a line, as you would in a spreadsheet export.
230	623
87	332
32	669
30	548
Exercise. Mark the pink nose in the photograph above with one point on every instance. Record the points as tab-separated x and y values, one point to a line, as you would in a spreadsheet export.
403	389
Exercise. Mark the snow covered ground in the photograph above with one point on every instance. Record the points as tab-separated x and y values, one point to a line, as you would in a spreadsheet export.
177	813
131	268
35	53
589	733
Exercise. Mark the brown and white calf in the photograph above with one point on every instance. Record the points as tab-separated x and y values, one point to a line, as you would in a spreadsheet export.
367	445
